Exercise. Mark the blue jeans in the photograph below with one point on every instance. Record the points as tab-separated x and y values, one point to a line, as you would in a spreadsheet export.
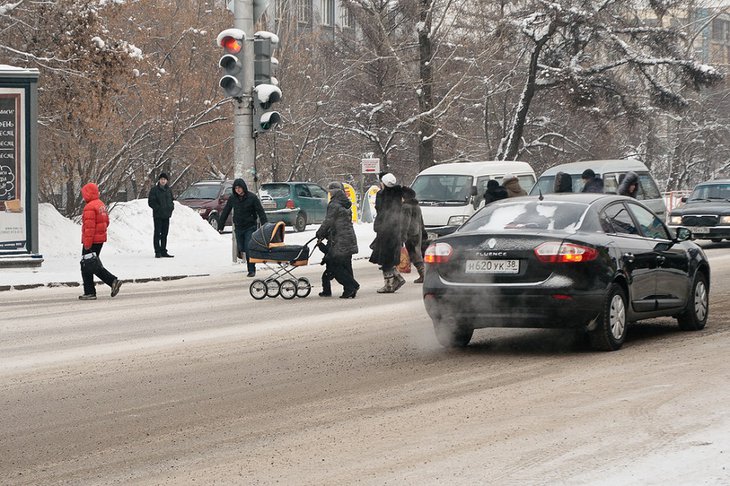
243	239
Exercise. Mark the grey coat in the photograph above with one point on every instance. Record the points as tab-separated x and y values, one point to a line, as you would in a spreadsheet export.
337	227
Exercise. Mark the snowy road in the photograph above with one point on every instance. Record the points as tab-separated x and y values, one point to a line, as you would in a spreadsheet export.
191	381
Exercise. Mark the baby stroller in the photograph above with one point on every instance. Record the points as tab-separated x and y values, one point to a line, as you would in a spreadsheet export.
267	246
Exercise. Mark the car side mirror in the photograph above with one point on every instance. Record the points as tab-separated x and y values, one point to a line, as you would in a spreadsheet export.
683	234
683	199
473	191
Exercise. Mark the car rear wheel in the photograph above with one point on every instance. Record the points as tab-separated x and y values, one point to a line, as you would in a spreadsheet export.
716	240
694	316
213	221
450	334
301	222
610	331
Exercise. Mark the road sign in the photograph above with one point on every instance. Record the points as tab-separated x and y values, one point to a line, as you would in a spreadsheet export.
370	166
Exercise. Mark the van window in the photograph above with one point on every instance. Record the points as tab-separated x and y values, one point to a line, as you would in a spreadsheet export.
648	187
526	182
443	188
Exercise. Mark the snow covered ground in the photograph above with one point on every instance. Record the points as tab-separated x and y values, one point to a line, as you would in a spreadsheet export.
128	252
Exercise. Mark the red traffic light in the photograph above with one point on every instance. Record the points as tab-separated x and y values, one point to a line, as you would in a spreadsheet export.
231	44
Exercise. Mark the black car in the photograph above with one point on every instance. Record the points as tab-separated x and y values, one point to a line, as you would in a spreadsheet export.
586	261
706	212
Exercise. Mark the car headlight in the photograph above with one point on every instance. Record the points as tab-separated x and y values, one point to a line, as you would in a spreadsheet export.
457	220
724	219
675	219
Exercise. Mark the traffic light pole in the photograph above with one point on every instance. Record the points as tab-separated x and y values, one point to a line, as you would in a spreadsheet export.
244	148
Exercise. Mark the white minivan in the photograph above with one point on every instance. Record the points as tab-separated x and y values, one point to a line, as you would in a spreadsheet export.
449	193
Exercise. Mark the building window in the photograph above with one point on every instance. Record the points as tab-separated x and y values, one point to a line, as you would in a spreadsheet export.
327	10
304	11
346	17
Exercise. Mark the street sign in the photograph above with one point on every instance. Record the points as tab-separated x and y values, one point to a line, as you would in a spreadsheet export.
370	166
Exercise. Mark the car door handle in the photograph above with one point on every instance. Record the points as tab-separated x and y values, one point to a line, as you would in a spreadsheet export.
628	257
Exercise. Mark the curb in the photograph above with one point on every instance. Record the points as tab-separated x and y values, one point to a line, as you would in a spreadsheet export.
165	278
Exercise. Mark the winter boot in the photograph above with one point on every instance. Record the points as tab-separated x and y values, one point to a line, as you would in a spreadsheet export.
399	281
421	273
388	288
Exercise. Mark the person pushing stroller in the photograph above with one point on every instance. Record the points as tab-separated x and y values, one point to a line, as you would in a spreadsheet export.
341	243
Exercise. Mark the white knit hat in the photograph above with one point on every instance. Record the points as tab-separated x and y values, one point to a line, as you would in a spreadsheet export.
388	180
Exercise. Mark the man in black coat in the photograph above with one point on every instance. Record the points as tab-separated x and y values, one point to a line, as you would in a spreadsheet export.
591	183
388	235
494	192
341	243
160	200
246	208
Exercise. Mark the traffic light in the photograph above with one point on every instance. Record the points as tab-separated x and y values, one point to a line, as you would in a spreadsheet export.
266	91
231	40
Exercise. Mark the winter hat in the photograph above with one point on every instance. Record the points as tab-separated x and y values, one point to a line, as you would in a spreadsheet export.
507	177
492	184
588	174
334	186
388	180
163	175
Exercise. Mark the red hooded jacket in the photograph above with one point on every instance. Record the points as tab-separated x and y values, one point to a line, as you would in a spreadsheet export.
94	219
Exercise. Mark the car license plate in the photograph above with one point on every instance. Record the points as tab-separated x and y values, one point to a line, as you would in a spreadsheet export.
492	266
700	229
269	205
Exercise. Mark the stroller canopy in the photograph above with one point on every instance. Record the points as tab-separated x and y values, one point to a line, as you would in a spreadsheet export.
269	235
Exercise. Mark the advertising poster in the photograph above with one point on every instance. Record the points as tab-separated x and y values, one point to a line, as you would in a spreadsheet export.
12	167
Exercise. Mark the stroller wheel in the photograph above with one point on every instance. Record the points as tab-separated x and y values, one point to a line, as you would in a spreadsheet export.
288	289
303	287
272	288
257	289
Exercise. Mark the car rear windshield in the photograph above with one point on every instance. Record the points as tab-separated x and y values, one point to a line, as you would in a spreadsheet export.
711	191
519	215
276	190
201	191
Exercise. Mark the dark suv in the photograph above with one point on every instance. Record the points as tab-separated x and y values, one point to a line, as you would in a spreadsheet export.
208	198
706	212
297	204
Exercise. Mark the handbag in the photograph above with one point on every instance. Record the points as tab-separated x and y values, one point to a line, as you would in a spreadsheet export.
89	262
405	261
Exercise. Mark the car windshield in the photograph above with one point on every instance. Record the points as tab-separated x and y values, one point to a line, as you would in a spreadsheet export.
443	188
201	191
711	192
525	214
276	190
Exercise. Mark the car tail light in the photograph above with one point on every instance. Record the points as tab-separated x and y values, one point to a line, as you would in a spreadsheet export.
290	204
438	253
557	252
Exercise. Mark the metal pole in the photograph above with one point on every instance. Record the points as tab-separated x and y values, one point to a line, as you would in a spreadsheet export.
244	149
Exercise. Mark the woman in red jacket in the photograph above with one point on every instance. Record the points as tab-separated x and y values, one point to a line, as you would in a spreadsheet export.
94	221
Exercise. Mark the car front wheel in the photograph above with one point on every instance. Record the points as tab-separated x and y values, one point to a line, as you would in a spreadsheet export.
610	331
213	221
301	222
451	334
694	316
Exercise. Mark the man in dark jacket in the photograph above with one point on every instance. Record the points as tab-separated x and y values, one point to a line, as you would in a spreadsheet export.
494	192
387	244
246	207
591	183
160	200
341	243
